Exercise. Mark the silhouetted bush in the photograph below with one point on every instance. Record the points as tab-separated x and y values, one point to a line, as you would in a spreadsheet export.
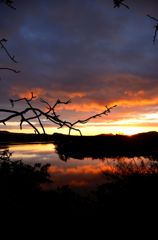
132	189
20	182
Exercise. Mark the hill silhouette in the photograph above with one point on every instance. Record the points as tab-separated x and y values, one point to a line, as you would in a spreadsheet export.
101	146
10	137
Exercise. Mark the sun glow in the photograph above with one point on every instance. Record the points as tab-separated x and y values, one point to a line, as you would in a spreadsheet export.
95	129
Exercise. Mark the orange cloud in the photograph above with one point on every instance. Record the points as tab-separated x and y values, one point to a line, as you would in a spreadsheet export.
21	93
136	102
131	93
77	94
83	107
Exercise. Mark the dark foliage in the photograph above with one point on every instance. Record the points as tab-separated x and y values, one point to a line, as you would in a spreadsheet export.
128	195
19	181
22	195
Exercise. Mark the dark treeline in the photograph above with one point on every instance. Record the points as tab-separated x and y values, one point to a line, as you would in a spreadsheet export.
101	146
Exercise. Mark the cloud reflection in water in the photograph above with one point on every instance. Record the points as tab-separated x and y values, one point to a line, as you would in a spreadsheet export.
80	174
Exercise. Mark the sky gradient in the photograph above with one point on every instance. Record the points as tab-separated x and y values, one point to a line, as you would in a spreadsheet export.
88	51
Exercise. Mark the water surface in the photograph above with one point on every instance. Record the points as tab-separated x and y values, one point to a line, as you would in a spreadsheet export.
79	174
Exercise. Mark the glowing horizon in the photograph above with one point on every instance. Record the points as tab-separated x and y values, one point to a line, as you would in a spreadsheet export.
91	129
126	119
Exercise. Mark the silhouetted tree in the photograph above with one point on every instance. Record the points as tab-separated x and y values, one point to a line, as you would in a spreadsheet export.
31	113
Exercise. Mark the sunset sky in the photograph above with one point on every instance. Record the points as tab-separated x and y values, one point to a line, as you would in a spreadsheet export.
87	51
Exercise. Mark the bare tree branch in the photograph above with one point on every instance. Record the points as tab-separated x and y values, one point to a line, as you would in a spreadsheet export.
28	101
31	113
118	3
156	27
9	3
152	17
2	45
84	121
9	69
3	41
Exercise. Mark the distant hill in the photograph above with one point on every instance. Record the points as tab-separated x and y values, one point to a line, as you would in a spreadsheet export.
9	137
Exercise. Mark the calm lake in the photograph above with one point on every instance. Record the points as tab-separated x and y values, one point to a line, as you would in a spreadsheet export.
79	174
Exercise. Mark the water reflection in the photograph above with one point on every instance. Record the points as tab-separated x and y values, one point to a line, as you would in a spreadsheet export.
81	174
31	153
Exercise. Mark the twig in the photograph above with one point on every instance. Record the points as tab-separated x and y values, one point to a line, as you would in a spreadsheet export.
156	27
10	69
118	3
2	44
28	101
9	3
